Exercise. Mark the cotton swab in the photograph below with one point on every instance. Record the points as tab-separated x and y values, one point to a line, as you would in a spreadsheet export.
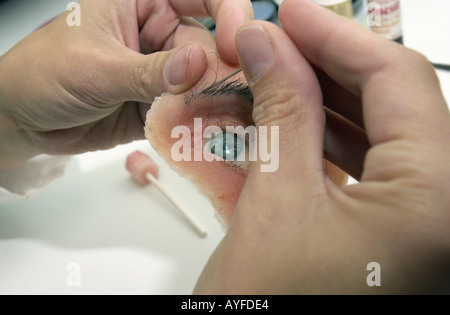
145	171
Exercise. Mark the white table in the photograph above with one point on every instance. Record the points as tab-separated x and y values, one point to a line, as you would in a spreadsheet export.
123	239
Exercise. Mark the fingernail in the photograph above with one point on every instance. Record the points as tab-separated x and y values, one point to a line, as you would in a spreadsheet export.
176	66
255	51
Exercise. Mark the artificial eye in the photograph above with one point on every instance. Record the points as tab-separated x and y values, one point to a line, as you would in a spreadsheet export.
227	146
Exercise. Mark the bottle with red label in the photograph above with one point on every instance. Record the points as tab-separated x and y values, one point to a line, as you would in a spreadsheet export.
385	19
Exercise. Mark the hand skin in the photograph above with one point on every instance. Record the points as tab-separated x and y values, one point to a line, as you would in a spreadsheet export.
293	231
68	90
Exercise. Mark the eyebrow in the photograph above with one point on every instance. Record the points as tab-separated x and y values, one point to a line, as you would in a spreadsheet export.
233	88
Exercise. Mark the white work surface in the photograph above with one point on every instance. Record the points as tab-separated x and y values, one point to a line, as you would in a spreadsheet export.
122	238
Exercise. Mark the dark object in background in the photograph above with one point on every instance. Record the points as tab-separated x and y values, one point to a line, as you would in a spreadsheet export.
264	10
357	5
207	22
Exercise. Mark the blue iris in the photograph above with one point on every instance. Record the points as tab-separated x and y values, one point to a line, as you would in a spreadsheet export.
228	146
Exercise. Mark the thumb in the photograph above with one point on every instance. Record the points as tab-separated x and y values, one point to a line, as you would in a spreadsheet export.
287	97
174	71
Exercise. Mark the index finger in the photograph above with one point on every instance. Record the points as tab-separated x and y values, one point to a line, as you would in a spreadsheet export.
394	82
229	15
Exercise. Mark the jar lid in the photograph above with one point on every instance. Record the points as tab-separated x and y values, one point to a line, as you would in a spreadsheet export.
264	10
330	2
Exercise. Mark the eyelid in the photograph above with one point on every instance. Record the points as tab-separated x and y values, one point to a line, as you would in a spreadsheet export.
223	123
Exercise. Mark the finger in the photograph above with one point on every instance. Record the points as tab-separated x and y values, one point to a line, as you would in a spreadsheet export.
345	51
287	96
394	82
148	76
229	15
122	126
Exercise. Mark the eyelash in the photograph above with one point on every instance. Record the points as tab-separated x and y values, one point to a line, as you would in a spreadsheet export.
236	87
235	167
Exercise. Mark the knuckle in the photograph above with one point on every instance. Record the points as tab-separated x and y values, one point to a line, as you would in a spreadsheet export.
418	60
281	108
144	75
417	57
410	62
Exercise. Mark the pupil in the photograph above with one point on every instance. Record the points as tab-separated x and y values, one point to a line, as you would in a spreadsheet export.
226	147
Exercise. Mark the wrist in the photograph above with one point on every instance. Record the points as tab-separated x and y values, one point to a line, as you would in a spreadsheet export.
14	148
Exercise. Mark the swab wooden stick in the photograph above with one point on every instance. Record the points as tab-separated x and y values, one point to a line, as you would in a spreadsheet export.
188	217
145	171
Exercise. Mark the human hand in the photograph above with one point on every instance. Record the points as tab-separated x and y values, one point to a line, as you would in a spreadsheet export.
294	231
67	90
